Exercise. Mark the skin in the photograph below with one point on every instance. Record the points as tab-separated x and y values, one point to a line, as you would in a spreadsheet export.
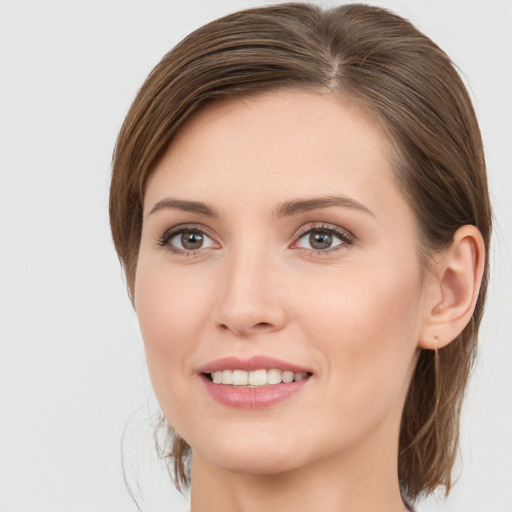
355	313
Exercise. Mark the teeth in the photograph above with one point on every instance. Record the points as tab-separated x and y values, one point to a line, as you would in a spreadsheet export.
227	377
274	376
240	378
256	377
287	377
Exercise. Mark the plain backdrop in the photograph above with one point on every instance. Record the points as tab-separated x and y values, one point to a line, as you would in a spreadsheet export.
72	368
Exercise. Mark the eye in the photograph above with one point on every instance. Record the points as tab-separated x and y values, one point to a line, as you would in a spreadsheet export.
322	239
186	240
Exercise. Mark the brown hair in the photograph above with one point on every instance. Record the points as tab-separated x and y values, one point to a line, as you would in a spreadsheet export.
410	88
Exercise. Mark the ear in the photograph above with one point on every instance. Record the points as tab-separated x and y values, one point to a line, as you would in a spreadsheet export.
452	290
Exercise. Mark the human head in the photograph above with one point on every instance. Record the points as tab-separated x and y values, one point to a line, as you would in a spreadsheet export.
398	79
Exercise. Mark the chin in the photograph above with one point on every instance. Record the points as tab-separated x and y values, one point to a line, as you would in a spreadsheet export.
255	463
254	455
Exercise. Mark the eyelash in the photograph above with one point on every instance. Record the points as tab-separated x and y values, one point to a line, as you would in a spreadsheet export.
346	238
164	240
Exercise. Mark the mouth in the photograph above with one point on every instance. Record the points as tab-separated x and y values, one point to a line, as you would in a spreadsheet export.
254	383
255	378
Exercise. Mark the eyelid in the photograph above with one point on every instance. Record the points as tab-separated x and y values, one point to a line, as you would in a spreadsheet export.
169	234
346	237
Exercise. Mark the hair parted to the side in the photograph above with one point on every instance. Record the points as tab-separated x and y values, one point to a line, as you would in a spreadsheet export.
410	88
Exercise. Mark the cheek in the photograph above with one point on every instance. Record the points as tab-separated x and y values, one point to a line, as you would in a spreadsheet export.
366	324
170	309
169	303
364	297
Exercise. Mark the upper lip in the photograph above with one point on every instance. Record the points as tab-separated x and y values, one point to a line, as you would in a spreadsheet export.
258	362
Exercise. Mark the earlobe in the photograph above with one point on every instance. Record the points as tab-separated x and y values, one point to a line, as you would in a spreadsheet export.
452	295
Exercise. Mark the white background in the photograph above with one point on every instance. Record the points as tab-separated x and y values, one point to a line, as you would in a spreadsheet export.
72	369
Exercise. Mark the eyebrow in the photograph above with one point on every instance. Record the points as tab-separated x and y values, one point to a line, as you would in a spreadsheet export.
286	209
187	206
304	205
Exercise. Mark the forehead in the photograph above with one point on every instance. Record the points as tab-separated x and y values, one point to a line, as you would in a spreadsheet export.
271	145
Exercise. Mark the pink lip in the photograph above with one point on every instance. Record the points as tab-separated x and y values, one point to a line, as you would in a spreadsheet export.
257	397
253	398
251	364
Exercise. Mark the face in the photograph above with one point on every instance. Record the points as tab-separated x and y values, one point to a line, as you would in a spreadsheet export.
274	238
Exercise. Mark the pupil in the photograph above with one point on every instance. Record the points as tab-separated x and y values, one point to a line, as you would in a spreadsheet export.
191	240
320	240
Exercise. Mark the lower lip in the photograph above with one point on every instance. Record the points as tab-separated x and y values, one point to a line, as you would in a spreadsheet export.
253	398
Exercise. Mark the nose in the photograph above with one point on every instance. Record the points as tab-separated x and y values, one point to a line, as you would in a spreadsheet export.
251	297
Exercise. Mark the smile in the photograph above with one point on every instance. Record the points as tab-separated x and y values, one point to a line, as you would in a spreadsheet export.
254	383
256	378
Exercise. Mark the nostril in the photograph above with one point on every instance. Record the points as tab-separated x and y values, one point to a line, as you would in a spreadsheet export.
244	331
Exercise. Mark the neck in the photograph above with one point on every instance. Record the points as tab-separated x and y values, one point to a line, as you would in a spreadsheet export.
364	479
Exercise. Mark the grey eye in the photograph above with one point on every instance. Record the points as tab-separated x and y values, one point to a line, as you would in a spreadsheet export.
320	239
190	240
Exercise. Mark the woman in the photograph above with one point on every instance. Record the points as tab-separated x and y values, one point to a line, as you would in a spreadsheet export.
299	202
